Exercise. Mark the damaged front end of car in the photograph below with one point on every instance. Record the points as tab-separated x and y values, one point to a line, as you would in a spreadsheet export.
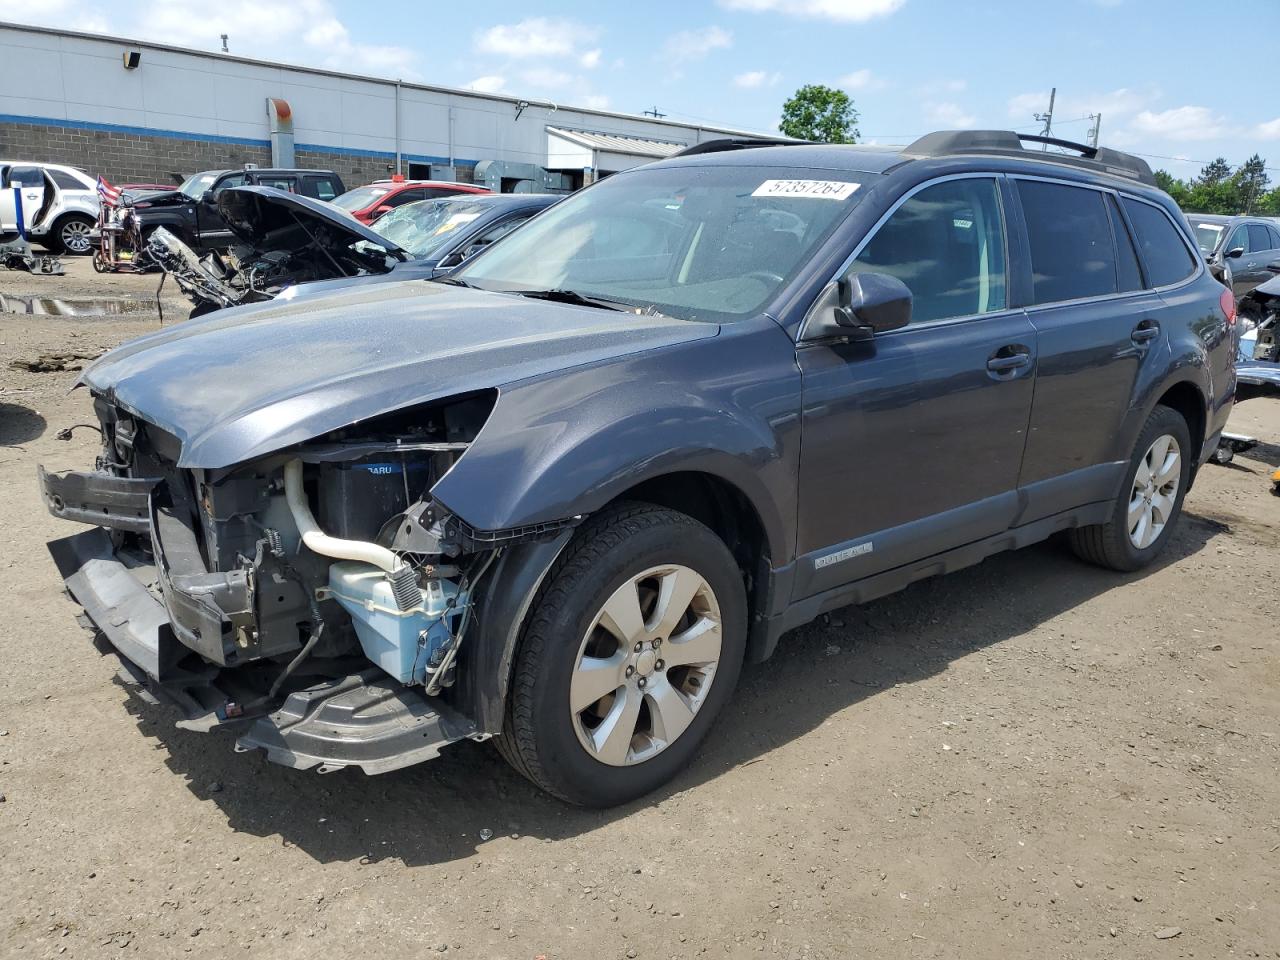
314	600
280	240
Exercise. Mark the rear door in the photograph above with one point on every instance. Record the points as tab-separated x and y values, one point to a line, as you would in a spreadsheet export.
1098	326
913	440
1262	250
30	186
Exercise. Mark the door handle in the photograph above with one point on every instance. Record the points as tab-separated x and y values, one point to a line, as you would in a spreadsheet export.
1009	358
1145	332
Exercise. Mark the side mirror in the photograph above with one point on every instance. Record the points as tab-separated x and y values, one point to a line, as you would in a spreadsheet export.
871	303
1235	253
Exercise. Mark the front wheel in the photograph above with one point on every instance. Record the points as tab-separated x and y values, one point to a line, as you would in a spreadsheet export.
1150	499
632	647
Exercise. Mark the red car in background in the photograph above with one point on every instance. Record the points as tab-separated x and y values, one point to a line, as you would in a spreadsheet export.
370	202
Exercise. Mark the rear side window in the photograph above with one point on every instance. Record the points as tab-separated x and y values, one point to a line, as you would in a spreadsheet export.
1167	258
946	243
323	187
1070	235
1128	274
1258	238
26	177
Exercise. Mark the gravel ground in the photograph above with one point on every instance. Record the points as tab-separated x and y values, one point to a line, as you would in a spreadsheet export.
1030	758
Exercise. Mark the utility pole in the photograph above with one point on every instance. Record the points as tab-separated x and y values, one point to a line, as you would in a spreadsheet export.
1097	125
654	113
1047	118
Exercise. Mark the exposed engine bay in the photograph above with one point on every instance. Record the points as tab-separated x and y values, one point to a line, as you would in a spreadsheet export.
286	577
281	240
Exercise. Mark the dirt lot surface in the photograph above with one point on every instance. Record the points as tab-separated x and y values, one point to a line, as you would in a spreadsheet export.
1030	758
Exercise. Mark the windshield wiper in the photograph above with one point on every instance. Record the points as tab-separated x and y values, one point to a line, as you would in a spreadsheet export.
455	282
560	295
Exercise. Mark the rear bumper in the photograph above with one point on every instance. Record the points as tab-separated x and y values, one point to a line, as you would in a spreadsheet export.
365	719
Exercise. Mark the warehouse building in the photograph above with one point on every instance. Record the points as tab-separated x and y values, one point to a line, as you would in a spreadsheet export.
135	111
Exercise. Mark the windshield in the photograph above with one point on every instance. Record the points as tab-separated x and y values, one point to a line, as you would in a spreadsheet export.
1207	234
197	184
423	228
360	197
699	243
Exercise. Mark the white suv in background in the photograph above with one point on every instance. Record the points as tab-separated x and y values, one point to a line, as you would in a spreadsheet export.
59	203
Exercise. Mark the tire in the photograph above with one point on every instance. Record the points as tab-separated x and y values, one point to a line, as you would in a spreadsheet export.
1120	545
70	234
628	558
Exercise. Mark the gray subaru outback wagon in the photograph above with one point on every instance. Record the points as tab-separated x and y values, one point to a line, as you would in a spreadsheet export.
559	498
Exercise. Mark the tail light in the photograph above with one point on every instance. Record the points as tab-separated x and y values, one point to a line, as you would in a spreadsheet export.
1228	304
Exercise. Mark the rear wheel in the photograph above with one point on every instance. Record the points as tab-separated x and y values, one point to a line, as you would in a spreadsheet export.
72	234
1150	499
632	647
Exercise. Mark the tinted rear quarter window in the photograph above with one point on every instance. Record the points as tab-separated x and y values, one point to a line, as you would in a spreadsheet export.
1166	255
66	181
1070	235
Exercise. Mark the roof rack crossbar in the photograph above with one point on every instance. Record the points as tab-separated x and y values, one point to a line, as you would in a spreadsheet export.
1008	143
735	143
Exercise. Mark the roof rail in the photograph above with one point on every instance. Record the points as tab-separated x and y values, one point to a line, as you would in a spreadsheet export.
735	143
1008	143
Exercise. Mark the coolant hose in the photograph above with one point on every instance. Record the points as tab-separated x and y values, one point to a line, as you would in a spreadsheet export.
318	541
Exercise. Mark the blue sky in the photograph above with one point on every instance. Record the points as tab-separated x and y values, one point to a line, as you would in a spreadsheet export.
1158	70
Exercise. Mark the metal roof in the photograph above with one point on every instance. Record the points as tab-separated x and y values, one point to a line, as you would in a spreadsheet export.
614	143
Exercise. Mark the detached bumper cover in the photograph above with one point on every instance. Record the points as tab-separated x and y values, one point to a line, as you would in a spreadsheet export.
366	720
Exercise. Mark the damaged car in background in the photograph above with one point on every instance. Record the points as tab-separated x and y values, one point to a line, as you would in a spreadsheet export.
560	496
283	241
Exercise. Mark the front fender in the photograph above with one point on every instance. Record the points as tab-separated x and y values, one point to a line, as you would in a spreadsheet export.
566	444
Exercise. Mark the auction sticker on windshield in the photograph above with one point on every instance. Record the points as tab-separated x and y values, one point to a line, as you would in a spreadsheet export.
816	189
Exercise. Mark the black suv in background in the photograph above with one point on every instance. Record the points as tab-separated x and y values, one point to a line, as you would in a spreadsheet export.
559	496
191	211
1242	247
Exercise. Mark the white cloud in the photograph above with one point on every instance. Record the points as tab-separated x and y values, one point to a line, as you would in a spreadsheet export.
547	77
489	84
950	115
861	80
1114	105
1182	123
754	79
591	59
304	31
1268	131
536	37
596	101
696	44
846	11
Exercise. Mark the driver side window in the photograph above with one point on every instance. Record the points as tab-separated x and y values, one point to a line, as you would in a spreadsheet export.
946	243
1239	238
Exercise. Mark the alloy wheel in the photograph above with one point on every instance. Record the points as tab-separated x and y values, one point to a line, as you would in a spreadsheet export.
75	236
1155	491
646	665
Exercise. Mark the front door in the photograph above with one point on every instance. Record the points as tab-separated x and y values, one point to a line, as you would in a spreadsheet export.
913	441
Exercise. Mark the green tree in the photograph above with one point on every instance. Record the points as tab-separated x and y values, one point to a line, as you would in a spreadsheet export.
1214	173
820	113
1251	181
1269	205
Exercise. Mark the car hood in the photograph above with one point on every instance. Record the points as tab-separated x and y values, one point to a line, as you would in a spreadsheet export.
240	383
271	219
